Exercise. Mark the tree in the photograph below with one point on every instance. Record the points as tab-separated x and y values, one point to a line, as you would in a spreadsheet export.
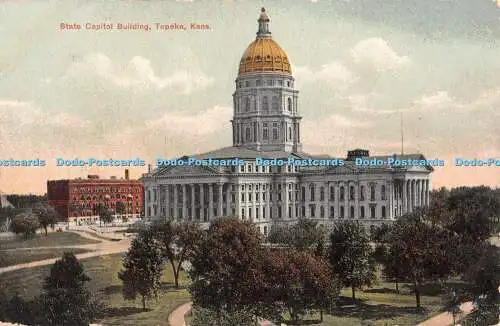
420	251
66	300
105	216
47	215
227	267
25	223
207	317
121	207
178	243
472	210
143	268
298	282
305	234
351	256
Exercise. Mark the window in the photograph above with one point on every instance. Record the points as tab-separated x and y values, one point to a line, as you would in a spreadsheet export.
247	134
383	212
351	193
269	83
372	193
313	190
289	104
362	212
265	103
362	193
322	211
289	211
275	134
247	84
322	194
243	197
341	211
342	194
289	133
351	213
372	212
249	197
288	83
247	104
303	211
265	134
242	213
259	82
303	193
332	193
275	103
279	211
312	210
332	211
383	193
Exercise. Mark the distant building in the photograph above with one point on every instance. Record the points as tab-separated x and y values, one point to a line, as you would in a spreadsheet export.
3	200
80	199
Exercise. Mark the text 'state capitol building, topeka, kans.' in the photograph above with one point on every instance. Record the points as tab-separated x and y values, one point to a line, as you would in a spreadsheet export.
266	124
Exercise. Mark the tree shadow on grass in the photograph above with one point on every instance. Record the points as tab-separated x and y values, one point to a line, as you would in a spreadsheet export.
108	312
169	286
112	289
383	290
359	309
436	289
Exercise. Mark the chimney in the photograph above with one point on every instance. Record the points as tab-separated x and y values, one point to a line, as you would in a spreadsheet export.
126	174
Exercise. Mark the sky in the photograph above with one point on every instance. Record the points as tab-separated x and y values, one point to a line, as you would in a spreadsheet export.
363	69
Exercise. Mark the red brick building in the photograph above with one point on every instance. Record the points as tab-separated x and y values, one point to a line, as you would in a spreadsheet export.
80	199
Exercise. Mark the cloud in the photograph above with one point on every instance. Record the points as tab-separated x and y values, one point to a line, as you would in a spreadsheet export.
376	52
439	99
487	100
138	73
204	123
19	113
335	74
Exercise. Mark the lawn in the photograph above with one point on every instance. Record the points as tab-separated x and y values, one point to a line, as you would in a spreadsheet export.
105	283
52	239
14	257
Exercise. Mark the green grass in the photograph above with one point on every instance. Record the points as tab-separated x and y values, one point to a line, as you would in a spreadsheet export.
105	284
52	239
11	257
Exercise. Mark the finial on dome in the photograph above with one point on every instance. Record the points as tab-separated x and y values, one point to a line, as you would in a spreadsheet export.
263	24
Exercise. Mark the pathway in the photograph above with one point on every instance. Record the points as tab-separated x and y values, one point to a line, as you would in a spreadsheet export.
446	319
102	248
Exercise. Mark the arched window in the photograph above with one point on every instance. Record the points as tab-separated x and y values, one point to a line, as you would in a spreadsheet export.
362	193
332	193
372	193
351	193
322	211
312	189
303	193
322	194
332	211
247	104
351	213
275	103
289	104
289	133
342	194
383	193
265	103
383	212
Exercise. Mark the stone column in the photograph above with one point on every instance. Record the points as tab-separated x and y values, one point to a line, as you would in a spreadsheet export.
219	208
228	200
202	202
167	202
184	202
404	200
210	202
175	201
356	200
193	209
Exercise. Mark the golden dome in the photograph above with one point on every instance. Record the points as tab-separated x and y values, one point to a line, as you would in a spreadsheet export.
264	54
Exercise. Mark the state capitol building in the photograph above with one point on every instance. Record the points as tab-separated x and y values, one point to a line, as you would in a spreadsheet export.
266	124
